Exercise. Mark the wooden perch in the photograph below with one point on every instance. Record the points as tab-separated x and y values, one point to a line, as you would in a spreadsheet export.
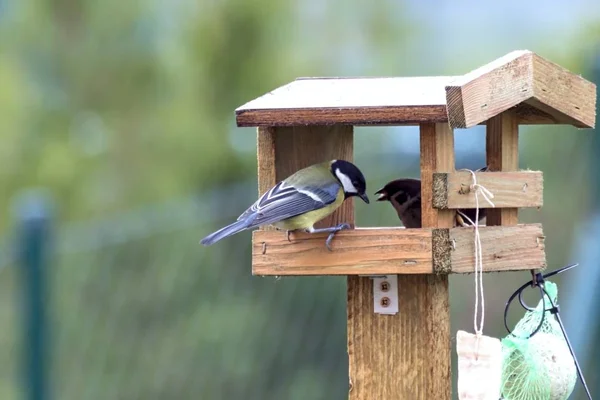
510	189
521	77
381	251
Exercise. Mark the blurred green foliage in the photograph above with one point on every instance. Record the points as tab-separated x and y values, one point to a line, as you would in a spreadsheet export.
120	107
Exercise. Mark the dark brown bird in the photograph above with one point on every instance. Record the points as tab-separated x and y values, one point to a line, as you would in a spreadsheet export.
405	196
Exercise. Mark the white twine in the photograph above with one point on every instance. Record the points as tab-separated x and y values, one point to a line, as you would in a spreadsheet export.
487	195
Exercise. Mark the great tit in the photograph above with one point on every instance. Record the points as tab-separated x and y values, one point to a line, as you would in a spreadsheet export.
405	197
301	200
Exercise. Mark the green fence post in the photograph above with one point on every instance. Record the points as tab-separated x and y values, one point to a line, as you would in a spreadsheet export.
34	217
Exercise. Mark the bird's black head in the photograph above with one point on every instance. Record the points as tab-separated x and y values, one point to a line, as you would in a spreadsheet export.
351	179
400	190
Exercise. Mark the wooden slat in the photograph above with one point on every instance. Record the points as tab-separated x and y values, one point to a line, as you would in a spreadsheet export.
521	77
355	252
265	149
503	248
502	154
397	251
510	189
487	91
567	96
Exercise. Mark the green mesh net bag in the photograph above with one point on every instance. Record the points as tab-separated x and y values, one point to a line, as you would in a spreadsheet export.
541	367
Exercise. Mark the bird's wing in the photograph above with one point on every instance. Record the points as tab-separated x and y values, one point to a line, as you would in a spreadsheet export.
285	201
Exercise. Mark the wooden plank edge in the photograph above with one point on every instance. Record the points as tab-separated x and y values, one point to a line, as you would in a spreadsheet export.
387	115
560	96
426	251
504	248
519	189
469	102
361	251
559	91
526	115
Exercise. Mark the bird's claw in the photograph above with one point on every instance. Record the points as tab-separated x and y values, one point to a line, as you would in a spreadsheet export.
332	234
287	235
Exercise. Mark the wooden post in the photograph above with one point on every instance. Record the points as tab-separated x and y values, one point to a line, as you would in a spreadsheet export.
437	155
502	154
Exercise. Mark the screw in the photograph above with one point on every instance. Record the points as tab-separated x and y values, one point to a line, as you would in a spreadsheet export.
385	286
385	302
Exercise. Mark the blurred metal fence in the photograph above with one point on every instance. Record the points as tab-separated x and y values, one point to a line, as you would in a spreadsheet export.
137	309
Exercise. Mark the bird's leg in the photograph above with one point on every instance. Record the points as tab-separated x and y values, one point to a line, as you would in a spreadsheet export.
287	235
331	230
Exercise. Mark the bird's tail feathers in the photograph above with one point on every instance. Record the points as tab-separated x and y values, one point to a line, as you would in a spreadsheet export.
224	232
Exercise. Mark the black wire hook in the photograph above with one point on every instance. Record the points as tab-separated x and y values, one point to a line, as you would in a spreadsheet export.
554	309
538	281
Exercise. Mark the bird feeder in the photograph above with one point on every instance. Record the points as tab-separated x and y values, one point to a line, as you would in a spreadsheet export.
405	353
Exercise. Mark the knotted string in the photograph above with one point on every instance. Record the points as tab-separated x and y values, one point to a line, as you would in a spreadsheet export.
487	195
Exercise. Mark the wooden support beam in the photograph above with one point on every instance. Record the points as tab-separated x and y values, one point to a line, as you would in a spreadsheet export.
432	299
511	189
516	79
395	251
502	154
427	314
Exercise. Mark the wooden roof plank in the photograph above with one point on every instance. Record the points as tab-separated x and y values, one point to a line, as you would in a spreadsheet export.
489	90
521	77
352	101
568	97
542	93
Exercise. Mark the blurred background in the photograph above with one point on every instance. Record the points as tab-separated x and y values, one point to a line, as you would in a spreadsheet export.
120	152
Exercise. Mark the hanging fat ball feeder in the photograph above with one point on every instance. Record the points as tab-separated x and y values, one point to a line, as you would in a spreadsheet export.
538	361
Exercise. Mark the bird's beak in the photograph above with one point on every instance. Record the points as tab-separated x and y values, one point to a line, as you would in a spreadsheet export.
364	197
383	196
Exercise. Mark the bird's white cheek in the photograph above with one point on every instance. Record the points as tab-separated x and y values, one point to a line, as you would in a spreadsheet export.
346	182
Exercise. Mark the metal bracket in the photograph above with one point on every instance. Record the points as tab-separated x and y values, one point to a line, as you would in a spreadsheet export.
385	294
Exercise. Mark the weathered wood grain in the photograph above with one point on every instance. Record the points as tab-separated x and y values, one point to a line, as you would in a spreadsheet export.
397	251
566	96
355	252
510	189
521	77
432	355
265	149
504	248
502	154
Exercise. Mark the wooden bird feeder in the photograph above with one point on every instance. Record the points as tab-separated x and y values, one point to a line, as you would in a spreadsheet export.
406	355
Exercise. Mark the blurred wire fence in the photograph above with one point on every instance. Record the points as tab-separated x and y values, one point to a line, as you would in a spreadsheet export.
139	310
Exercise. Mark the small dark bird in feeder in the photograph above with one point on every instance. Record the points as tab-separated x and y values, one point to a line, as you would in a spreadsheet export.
405	197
